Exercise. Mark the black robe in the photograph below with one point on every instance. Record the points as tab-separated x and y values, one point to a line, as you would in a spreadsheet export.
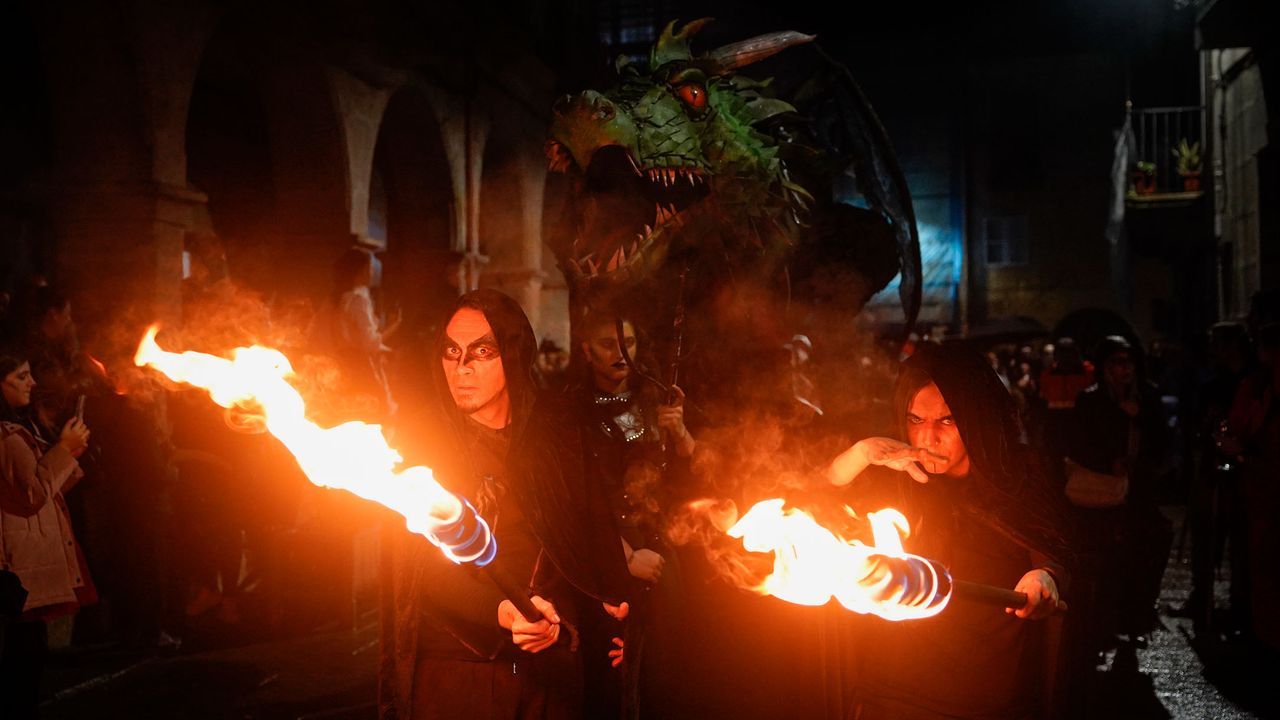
990	527
433	610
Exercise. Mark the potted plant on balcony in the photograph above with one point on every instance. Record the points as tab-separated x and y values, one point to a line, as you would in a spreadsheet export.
1143	177
1188	157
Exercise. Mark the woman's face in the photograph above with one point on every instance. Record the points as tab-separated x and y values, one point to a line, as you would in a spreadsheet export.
930	425
17	386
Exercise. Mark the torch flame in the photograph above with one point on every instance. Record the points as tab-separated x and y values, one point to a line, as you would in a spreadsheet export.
812	565
353	456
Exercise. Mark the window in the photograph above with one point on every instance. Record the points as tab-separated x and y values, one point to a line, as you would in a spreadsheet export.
628	27
1006	240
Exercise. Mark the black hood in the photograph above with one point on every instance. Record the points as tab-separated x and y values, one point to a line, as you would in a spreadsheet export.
984	410
1013	489
570	516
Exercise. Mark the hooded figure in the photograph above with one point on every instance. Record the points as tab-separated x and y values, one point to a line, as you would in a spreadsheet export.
443	650
979	505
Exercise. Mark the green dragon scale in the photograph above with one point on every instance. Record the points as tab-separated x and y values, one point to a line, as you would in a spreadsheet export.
687	167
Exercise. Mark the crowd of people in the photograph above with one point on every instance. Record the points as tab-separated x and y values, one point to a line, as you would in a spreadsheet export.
1038	467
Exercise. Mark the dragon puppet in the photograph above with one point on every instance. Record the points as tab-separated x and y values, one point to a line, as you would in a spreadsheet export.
698	188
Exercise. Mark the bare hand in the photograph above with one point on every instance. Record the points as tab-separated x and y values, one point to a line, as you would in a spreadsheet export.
75	437
879	451
616	653
671	419
618	612
1042	596
646	565
531	636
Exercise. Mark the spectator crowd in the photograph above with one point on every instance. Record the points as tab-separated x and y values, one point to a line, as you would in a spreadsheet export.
154	519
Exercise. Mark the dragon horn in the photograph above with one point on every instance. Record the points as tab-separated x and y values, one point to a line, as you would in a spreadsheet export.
673	44
730	57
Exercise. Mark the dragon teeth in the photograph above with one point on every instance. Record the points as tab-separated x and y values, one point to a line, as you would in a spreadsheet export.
647	231
614	261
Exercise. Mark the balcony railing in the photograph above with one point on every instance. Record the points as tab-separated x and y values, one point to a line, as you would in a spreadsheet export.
1157	131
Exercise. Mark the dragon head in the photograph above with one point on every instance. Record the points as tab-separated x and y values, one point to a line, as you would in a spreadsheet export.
678	154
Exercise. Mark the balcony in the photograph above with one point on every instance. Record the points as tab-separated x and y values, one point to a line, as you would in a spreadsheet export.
1160	136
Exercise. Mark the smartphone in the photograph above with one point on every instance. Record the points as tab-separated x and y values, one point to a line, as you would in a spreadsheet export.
80	408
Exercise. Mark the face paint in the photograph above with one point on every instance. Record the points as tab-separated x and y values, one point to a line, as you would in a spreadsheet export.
473	368
930	425
608	366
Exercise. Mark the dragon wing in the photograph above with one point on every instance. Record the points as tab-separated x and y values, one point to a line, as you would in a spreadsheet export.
848	128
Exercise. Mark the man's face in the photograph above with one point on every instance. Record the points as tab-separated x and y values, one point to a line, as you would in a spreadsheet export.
931	426
473	365
601	349
1119	370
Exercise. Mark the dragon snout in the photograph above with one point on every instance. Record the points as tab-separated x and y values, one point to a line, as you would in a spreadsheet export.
602	109
589	104
587	121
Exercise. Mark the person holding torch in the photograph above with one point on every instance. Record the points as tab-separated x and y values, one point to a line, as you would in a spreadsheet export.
453	645
977	503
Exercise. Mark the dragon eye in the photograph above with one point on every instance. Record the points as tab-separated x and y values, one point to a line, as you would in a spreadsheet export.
693	95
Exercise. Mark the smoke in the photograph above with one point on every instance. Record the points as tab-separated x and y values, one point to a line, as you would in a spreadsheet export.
772	411
224	316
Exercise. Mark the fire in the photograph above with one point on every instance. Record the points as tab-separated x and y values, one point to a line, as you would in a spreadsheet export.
353	456
812	565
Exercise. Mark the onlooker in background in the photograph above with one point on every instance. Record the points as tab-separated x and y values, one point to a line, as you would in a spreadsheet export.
1214	511
52	345
1254	439
1060	384
36	542
551	365
359	337
1120	436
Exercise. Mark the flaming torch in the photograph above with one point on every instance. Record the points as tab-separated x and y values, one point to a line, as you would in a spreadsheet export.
812	565
353	456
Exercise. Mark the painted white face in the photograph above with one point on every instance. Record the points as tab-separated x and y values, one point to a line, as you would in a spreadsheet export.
608	366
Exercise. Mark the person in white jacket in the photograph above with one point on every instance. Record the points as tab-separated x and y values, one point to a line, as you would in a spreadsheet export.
36	542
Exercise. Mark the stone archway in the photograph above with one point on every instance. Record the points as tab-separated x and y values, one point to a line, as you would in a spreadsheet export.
265	142
411	174
510	223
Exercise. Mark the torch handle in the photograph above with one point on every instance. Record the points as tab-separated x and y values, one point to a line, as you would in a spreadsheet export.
518	595
989	594
993	595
